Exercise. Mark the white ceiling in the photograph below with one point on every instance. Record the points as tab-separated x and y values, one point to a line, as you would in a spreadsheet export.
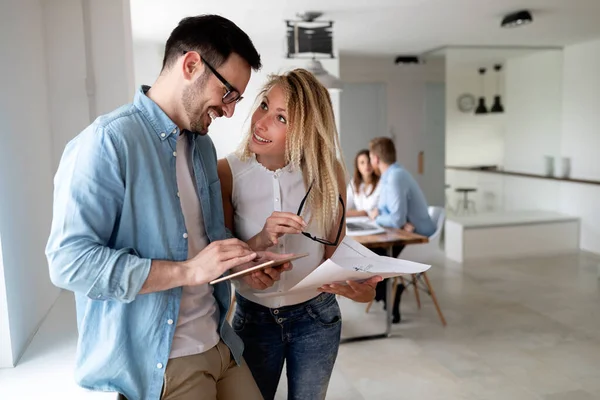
387	26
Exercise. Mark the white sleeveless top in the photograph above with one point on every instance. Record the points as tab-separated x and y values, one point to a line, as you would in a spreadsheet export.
256	193
360	201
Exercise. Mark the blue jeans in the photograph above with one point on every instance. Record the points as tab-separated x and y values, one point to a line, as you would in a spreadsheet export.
306	336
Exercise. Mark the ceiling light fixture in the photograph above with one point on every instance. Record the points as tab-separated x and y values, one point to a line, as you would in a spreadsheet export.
518	18
329	81
314	37
481	107
407	60
497	107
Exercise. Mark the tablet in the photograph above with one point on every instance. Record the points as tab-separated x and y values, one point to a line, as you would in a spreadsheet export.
266	264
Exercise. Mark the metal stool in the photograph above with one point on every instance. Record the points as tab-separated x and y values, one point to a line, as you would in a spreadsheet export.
467	205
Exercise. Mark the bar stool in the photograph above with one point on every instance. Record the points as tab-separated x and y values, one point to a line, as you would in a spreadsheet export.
467	205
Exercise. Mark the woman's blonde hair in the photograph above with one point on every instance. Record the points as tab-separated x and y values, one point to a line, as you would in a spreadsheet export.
312	143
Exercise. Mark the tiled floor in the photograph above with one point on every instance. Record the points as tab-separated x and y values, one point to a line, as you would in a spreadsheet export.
517	329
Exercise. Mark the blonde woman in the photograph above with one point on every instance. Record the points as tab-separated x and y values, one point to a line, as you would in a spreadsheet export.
284	190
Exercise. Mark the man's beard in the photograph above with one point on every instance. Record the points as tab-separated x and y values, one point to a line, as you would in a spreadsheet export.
190	100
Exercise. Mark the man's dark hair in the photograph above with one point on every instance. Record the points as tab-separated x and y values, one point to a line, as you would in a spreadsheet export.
214	37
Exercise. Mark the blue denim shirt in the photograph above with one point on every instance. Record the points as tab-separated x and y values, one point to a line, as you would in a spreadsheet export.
401	200
116	207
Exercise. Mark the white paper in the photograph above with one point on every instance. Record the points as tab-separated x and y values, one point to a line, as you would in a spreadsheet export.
367	226
351	261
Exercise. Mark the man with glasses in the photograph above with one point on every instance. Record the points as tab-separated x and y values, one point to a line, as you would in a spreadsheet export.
138	230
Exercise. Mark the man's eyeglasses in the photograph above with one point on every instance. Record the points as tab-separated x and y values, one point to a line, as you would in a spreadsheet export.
232	95
320	240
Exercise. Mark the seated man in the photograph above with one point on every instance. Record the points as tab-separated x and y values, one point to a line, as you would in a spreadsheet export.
401	200
401	204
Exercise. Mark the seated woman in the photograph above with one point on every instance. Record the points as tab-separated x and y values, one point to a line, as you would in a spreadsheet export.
288	174
363	191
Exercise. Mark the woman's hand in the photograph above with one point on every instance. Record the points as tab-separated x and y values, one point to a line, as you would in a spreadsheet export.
277	225
360	292
265	278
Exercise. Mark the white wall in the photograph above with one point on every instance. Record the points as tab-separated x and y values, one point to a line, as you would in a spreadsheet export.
64	40
112	53
44	103
25	171
533	107
147	61
471	139
363	116
581	138
405	88
90	63
6	353
227	133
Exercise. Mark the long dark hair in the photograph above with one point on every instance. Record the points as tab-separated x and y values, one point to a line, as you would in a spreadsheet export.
358	179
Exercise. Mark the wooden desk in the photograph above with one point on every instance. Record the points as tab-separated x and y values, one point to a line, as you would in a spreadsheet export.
389	239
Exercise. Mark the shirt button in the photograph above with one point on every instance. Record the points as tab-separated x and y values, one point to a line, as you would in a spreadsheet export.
170	322
174	154
163	134
276	312
174	130
185	235
277	199
178	194
280	320
99	296
159	365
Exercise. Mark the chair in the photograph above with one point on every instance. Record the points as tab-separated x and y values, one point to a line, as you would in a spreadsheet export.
424	253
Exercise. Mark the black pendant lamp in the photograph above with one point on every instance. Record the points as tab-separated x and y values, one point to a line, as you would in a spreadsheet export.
497	106
481	108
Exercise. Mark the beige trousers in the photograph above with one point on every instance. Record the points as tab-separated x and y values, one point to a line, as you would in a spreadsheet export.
212	375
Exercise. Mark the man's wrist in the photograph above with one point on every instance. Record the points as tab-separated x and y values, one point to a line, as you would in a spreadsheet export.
185	275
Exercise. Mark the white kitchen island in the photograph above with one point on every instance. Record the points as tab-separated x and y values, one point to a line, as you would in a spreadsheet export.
510	234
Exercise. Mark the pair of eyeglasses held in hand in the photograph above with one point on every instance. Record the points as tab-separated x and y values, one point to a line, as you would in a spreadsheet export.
321	240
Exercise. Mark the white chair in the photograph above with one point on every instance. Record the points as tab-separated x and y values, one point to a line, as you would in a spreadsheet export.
424	253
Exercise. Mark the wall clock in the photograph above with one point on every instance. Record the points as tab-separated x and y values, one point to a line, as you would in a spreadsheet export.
466	102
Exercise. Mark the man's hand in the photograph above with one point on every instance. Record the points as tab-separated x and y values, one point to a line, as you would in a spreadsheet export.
360	292
215	259
263	279
277	225
374	213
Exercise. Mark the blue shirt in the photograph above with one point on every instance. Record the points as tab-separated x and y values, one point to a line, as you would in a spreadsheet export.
116	208
401	200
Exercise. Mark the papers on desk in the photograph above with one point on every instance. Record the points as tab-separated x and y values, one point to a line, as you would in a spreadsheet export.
351	261
359	226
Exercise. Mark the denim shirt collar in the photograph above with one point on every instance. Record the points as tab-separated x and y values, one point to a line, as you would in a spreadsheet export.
162	125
